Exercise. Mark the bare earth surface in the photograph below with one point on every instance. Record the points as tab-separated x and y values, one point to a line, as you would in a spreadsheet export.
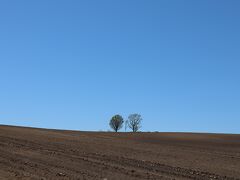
27	153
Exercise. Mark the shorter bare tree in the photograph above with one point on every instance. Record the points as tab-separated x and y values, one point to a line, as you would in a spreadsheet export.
116	122
134	122
126	125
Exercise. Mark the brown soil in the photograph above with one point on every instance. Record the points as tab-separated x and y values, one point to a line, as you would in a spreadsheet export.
28	153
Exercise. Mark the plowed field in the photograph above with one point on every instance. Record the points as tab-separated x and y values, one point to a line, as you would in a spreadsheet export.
28	153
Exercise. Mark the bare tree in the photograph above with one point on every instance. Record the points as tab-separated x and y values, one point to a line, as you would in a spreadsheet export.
134	122
126	125
116	122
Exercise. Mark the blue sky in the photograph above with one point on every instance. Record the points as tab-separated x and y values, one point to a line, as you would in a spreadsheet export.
74	64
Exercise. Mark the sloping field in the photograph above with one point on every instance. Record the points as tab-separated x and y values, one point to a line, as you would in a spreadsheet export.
27	153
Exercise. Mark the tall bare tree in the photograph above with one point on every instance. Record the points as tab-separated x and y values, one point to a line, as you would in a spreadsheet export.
134	122
116	122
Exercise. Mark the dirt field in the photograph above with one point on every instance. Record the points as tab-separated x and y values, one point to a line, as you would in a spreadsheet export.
27	153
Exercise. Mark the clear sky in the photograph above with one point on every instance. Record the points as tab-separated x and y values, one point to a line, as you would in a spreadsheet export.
73	64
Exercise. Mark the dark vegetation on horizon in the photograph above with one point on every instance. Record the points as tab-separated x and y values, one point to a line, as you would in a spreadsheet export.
133	122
